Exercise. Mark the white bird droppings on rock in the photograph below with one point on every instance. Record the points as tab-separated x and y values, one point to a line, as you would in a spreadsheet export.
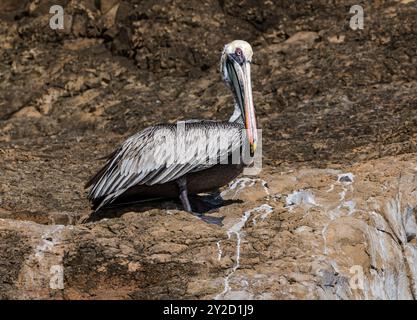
300	197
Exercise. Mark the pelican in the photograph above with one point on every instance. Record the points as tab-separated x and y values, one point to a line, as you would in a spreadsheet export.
187	158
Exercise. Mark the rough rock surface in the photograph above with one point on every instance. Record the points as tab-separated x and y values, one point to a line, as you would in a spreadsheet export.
331	216
299	234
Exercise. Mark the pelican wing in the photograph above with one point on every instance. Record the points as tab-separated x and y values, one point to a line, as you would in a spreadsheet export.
164	153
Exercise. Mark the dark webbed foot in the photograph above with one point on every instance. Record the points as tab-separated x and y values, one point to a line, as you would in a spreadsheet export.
208	219
212	220
207	202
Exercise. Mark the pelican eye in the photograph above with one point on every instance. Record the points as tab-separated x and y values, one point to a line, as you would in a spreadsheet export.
238	56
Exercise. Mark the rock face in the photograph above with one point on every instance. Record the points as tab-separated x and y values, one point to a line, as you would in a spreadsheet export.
331	216
309	234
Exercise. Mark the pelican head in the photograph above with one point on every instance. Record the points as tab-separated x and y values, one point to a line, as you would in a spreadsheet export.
235	69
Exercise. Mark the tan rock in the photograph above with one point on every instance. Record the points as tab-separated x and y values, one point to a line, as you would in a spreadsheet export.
28	112
106	5
302	37
109	18
349	238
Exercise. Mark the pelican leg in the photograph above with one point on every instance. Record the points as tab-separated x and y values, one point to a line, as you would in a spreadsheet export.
182	184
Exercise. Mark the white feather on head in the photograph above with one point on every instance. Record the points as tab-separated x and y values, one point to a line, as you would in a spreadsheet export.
231	48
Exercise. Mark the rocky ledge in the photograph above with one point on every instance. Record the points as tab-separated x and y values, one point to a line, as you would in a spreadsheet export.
340	233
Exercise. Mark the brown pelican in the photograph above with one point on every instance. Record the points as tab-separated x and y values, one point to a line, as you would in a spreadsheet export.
187	158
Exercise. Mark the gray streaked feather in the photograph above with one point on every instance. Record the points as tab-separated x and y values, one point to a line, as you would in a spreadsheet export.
148	157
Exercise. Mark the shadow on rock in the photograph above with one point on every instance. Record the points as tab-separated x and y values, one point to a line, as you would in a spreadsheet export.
202	205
